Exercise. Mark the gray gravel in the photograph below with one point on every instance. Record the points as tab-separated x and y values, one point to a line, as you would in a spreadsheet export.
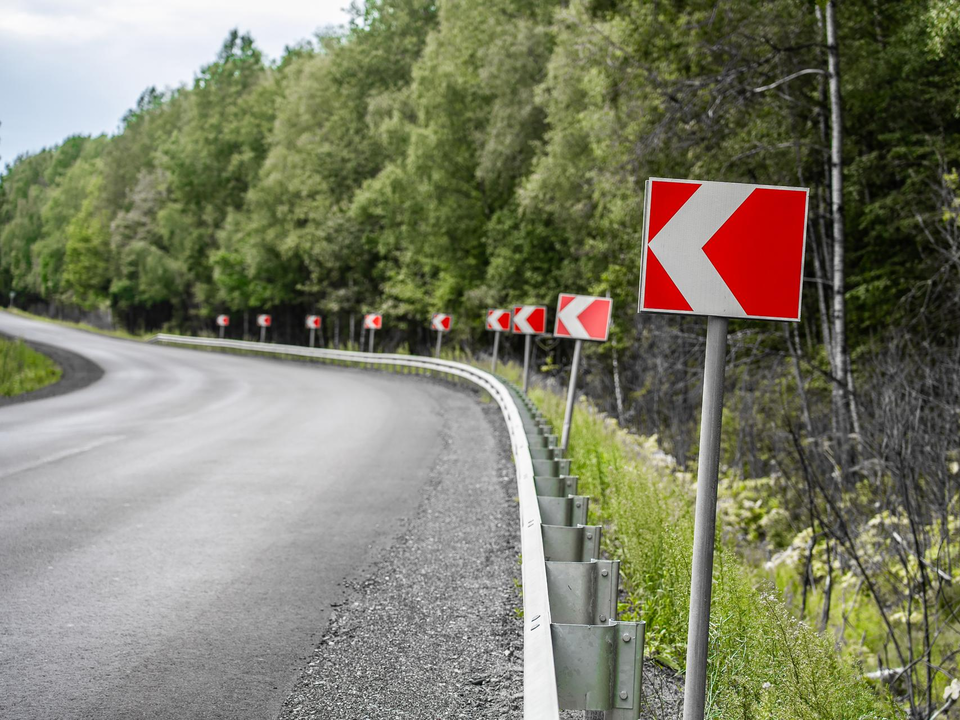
435	632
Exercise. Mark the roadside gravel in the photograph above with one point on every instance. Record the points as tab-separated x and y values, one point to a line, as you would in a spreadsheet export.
434	632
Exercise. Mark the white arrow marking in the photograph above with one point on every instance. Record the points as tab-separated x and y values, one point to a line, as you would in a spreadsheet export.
520	318
570	316
679	247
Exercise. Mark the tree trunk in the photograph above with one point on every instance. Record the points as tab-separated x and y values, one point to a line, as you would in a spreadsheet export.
841	393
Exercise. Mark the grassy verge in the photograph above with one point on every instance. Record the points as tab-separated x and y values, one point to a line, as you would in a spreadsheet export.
81	326
23	369
764	662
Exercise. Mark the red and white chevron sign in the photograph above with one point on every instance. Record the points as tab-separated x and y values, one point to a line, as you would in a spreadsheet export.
223	320
372	321
530	319
498	320
583	317
313	321
264	320
441	322
723	249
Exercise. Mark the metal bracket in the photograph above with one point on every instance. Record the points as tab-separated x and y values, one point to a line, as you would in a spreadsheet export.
556	486
600	667
583	593
571	544
555	468
570	511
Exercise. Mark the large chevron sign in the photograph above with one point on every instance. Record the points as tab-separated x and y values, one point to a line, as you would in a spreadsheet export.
372	321
530	319
583	317
723	249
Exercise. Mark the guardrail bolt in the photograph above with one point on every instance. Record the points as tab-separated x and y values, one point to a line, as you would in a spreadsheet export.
603	618
589	536
623	695
626	637
604	572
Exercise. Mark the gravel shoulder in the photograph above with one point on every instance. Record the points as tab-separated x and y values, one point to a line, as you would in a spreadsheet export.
78	373
435	630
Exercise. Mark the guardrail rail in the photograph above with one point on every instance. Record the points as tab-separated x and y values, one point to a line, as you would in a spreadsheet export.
576	655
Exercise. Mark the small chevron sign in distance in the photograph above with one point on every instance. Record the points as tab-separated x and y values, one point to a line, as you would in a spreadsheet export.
372	321
313	322
530	319
498	320
583	317
723	249
441	322
264	321
223	320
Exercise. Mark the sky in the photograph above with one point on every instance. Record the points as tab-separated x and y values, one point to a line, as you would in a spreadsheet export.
71	67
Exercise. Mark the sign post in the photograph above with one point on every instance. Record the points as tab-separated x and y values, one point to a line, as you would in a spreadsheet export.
264	321
498	321
441	323
529	320
313	324
580	317
724	250
372	322
223	321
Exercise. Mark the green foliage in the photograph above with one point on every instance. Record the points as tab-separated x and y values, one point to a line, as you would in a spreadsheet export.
23	369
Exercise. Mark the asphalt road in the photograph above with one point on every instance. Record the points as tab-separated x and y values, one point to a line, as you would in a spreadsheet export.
173	535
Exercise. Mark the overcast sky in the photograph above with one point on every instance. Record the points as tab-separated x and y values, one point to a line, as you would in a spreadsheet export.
76	66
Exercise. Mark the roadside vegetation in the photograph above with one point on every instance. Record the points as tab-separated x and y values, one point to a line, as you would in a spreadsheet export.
23	369
115	332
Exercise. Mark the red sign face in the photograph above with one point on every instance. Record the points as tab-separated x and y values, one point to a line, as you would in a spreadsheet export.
530	319
441	322
583	317
313	321
373	321
723	249
223	320
498	320
264	320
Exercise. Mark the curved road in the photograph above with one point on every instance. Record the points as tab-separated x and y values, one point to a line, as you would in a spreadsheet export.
172	536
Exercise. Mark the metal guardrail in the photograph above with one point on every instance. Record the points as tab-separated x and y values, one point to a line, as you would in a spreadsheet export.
579	656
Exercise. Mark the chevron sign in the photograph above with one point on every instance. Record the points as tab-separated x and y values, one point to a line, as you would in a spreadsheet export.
441	322
498	320
313	321
223	320
530	319
583	317
372	321
264	320
723	249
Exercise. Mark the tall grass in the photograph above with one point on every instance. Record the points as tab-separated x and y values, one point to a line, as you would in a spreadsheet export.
764	662
23	369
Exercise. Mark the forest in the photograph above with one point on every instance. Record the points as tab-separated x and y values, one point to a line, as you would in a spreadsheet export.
455	155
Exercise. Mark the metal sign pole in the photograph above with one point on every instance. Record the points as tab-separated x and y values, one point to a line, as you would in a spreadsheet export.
705	527
221	332
263	333
439	340
528	341
371	340
571	396
496	348
312	335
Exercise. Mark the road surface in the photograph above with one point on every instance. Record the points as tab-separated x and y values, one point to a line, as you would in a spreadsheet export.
172	536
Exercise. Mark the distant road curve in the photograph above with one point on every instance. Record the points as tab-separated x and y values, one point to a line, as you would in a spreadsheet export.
159	528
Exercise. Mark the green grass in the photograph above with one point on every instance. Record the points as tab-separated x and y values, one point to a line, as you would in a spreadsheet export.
82	326
23	369
764	662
